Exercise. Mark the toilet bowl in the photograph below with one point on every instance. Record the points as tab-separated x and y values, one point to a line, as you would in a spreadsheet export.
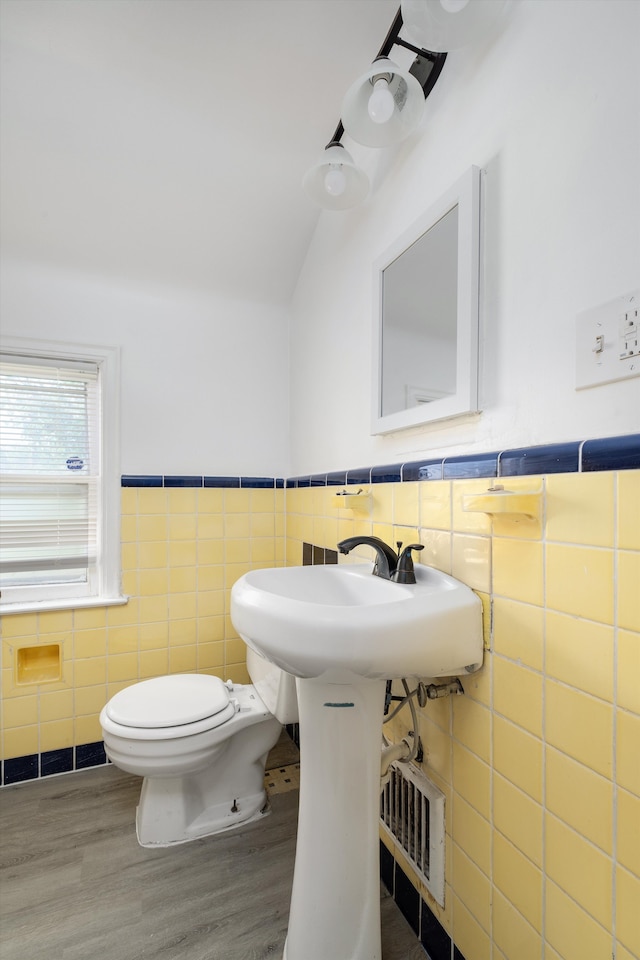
201	746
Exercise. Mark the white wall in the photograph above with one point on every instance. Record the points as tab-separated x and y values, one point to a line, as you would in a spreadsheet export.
550	109
204	379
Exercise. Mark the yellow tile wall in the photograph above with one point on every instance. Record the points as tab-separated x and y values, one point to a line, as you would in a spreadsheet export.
182	551
540	760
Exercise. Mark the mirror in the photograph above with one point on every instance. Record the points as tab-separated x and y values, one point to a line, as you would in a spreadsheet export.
426	315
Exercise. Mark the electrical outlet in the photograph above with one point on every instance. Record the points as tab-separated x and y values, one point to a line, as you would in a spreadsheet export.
608	342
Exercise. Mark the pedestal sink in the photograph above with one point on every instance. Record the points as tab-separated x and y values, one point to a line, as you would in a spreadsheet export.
343	632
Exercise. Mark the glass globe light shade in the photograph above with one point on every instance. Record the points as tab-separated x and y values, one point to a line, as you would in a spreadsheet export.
443	25
335	182
391	126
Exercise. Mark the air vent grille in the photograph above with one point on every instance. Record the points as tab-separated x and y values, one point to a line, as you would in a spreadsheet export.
412	815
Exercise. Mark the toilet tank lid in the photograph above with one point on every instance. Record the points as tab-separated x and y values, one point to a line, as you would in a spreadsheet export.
169	701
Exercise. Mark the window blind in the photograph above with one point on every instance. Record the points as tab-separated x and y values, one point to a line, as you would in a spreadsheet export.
49	471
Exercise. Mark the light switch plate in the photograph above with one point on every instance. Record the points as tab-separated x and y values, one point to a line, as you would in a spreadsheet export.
608	342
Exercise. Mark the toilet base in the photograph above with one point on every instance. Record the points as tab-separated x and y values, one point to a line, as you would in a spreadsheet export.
153	830
226	794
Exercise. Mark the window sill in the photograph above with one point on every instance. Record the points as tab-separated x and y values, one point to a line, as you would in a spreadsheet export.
46	606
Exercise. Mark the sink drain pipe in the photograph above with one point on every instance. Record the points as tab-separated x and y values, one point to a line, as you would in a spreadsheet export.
405	751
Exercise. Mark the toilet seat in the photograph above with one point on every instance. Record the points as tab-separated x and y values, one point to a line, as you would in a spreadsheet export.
171	706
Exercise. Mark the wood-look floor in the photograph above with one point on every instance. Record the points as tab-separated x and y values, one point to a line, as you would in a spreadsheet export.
75	885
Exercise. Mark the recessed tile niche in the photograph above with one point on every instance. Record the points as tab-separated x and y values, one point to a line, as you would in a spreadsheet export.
42	664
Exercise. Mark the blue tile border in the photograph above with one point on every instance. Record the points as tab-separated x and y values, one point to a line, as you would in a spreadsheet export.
35	766
141	481
90	755
183	481
19	769
361	475
56	761
387	865
553	458
431	935
186	481
408	900
387	474
610	453
470	466
229	482
422	470
258	482
337	478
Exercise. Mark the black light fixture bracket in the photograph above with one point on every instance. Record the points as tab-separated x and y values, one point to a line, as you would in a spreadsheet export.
426	68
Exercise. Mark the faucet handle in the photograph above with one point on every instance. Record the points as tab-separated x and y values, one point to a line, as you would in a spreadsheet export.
412	546
404	571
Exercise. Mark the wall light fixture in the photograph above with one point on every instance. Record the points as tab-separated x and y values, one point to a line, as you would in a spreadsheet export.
335	182
386	104
383	106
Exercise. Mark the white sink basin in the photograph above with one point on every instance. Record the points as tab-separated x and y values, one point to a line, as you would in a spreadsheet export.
340	621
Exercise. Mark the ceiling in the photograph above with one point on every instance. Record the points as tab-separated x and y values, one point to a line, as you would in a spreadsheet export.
164	141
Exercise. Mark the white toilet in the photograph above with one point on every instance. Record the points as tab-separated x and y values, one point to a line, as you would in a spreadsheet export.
201	746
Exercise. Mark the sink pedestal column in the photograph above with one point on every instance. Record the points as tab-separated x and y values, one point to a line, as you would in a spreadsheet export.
335	903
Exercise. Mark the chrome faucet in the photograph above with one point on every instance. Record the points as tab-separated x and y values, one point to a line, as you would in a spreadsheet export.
389	565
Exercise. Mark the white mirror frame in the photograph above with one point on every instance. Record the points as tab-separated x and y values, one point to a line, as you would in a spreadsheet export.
465	194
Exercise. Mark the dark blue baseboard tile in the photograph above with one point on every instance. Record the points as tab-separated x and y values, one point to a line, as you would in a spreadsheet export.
387	865
430	932
408	899
56	761
65	760
433	937
610	453
90	755
18	769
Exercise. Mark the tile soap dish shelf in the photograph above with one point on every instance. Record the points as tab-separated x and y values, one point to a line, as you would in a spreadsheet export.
357	500
497	501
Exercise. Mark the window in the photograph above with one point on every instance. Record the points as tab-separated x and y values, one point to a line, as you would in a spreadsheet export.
59	491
